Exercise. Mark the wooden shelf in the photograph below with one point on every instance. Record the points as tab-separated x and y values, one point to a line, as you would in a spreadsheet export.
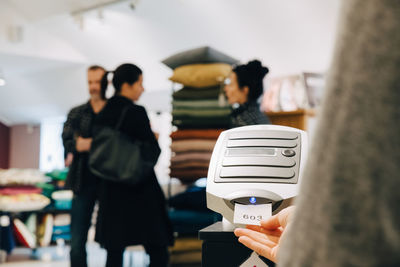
296	119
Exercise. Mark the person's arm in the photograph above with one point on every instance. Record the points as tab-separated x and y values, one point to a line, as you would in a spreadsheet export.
72	142
68	134
68	159
266	239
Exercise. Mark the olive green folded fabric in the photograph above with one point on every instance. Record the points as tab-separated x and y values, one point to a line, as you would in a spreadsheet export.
191	93
199	113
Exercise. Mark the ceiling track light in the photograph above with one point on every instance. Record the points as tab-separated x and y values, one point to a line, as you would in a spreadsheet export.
100	6
78	14
133	4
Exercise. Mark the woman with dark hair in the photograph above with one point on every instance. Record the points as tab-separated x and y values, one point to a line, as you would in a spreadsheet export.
244	86
131	215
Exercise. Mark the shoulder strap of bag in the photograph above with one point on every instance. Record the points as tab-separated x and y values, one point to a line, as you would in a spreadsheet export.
122	118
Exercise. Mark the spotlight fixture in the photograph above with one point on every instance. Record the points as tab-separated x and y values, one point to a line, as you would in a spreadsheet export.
133	4
78	14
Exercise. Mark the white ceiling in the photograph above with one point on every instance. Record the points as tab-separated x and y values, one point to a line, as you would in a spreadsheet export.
39	9
46	71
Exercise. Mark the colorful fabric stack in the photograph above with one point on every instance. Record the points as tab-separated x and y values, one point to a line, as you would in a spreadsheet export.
18	191
192	150
62	227
199	110
29	191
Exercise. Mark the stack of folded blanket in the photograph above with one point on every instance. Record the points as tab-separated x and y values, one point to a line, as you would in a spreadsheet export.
199	110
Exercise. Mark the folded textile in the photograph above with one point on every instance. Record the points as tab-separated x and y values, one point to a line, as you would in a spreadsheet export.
63	229
60	174
189	169
189	156
62	219
196	133
31	223
62	194
204	54
191	93
191	145
194	198
199	123
21	177
66	236
23	235
14	190
7	241
23	202
201	113
201	75
200	103
45	230
189	164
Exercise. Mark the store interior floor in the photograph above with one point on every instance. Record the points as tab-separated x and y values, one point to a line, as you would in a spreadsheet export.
21	257
186	252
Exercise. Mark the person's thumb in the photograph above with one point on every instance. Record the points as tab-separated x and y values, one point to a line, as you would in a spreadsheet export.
278	220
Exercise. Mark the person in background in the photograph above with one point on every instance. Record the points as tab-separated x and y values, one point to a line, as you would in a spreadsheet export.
244	87
77	139
347	210
131	214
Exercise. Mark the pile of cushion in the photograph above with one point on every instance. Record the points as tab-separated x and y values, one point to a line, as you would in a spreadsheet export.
30	191
199	110
18	191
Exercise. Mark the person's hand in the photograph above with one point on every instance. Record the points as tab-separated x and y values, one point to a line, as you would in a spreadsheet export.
266	239
69	159
157	135
83	144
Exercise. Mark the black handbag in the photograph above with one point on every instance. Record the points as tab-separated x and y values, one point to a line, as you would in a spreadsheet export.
117	157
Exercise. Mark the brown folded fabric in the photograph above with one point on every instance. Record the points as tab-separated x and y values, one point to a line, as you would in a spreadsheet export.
189	164
196	133
189	176
192	145
190	156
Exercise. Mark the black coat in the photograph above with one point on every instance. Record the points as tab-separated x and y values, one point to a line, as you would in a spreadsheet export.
131	215
79	123
248	114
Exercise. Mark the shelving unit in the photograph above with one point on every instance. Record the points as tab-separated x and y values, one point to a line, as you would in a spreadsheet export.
297	119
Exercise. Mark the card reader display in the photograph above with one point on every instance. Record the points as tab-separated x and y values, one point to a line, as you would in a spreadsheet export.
259	156
255	165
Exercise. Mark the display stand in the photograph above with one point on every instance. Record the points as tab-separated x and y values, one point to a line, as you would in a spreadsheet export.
297	119
221	247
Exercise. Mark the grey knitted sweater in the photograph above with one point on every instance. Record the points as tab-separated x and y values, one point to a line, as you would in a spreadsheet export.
348	209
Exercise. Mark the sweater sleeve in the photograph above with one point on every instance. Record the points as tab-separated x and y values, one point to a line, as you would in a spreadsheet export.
347	210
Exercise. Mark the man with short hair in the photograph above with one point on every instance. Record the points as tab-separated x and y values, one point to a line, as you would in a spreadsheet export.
77	139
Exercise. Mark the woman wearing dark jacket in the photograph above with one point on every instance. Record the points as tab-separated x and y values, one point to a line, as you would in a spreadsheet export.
244	87
131	215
